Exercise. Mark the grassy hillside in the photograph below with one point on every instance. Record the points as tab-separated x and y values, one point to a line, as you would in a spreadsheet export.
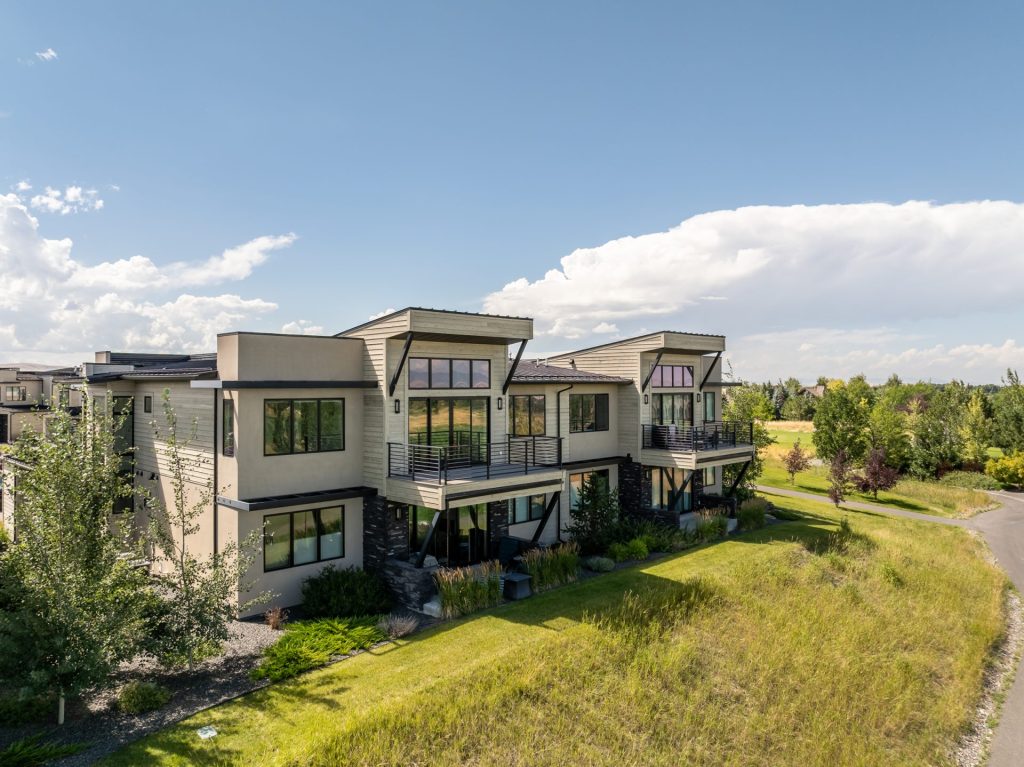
912	495
800	644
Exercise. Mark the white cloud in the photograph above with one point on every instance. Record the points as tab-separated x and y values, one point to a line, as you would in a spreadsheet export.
23	185
48	55
895	261
385	313
302	328
130	303
71	200
875	352
605	327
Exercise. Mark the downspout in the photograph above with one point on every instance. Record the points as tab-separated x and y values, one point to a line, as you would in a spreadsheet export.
216	424
558	433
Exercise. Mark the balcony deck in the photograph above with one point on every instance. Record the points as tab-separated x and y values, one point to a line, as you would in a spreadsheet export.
690	447
444	464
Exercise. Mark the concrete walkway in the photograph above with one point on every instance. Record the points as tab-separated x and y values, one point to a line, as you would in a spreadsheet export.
1003	530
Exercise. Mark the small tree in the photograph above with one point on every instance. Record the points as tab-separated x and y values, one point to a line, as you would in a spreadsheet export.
595	517
80	596
976	429
838	477
877	475
796	460
199	596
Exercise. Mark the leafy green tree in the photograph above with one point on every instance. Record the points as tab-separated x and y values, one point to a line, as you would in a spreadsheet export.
1009	469
1008	407
198	595
81	593
841	420
799	407
887	431
748	404
937	431
976	429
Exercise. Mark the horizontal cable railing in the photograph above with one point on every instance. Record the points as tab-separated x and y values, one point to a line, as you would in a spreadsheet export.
472	458
712	435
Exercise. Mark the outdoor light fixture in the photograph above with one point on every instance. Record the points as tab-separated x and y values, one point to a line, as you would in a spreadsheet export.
646	399
398	406
698	396
499	403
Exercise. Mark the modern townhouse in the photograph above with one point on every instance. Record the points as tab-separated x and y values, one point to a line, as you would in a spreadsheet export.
416	440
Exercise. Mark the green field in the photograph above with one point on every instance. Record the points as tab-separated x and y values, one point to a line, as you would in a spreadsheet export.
793	645
910	495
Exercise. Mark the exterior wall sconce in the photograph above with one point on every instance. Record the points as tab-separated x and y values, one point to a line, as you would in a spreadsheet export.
499	403
398	406
698	396
646	399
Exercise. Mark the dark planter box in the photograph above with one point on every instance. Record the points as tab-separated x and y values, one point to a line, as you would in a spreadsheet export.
517	586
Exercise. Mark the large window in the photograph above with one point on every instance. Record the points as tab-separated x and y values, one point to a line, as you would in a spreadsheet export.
672	409
601	477
678	376
669	491
528	419
588	412
435	373
16	393
303	426
710	476
302	537
709	406
228	432
528	508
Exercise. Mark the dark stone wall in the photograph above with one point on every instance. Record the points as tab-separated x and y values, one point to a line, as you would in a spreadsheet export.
497	524
385	532
631	488
411	585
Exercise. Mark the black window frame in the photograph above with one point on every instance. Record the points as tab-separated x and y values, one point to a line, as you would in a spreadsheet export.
710	399
575	421
661	503
291	537
147	403
227	423
606	473
291	425
530	409
9	393
534	508
714	476
658	373
473	364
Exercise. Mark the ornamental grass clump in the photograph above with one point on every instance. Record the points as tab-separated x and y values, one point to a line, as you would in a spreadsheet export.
599	564
465	590
552	567
752	514
712	524
635	549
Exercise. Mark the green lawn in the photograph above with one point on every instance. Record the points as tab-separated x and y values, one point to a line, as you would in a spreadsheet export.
911	495
793	645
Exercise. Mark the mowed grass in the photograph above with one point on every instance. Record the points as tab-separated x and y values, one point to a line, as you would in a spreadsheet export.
789	646
910	495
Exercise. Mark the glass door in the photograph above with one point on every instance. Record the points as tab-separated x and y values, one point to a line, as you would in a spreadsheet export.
459	423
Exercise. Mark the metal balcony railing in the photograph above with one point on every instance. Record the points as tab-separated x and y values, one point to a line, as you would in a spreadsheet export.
473	459
712	435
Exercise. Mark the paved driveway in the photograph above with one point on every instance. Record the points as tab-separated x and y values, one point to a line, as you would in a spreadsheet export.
1003	529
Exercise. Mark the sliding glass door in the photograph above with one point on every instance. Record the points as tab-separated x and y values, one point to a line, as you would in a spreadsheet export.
672	409
460	537
458	422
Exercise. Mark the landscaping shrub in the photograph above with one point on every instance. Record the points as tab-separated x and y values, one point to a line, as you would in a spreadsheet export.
398	626
712	526
349	593
140	697
971	480
552	567
21	707
599	564
464	590
623	552
1009	469
309	644
751	514
32	752
657	536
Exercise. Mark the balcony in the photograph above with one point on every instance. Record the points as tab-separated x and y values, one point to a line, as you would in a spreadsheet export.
474	461
711	436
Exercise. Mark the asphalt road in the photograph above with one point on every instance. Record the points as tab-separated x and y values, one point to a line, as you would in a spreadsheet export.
1003	529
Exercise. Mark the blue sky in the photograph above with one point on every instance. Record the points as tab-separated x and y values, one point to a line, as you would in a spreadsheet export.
433	153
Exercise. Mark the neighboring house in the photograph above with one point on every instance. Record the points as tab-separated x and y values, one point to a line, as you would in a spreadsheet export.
415	441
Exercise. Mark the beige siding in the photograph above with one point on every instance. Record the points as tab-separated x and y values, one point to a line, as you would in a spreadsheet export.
193	408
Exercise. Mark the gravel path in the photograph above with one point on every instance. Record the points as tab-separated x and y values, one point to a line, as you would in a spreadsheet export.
97	721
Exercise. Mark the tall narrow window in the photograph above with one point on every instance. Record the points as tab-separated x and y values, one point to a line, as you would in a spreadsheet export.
147	403
228	431
709	406
528	415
